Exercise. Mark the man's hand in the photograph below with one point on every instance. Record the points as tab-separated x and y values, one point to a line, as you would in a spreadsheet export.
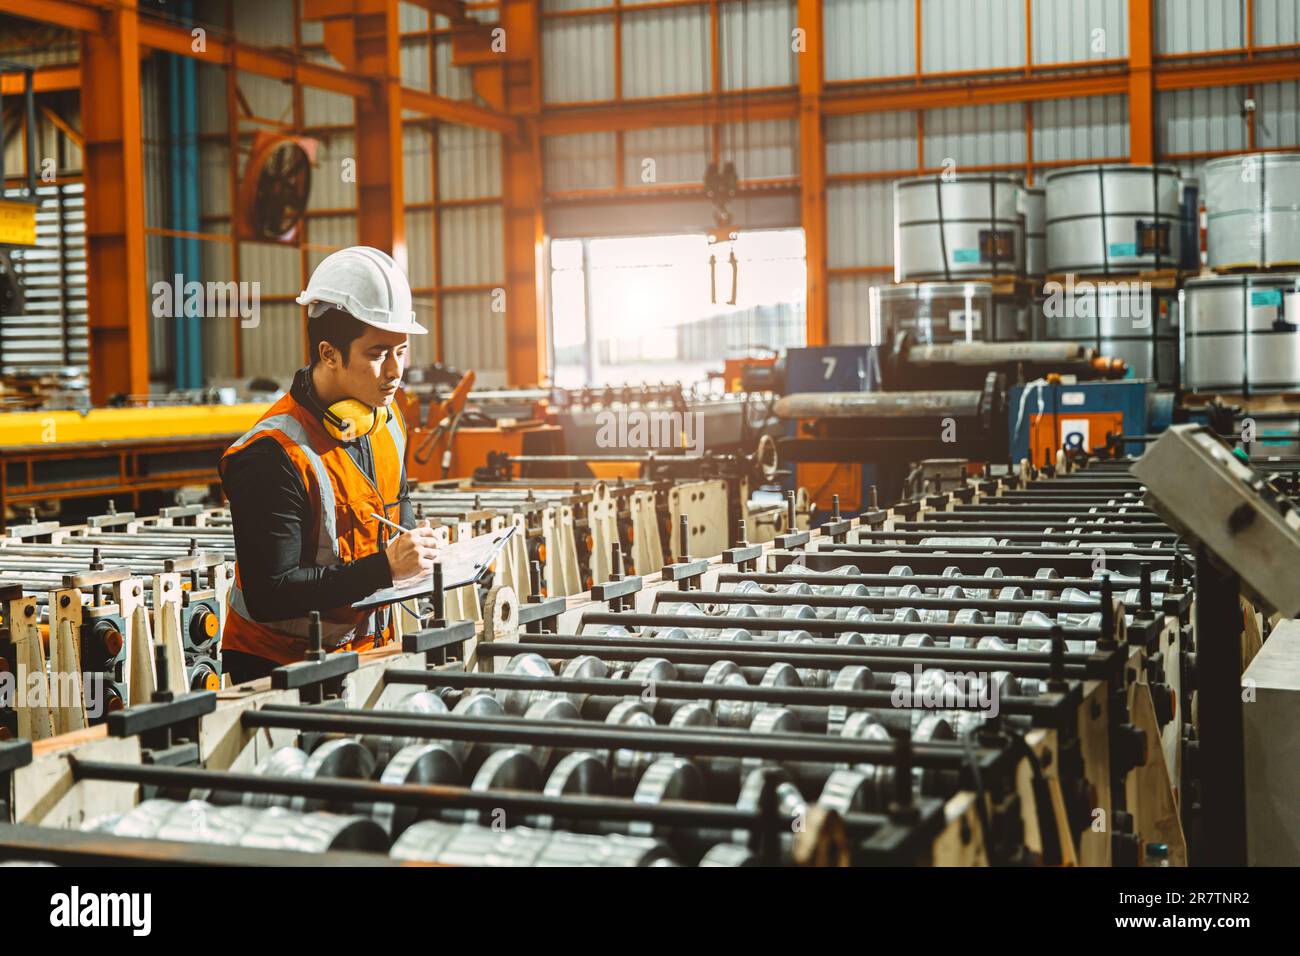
412	553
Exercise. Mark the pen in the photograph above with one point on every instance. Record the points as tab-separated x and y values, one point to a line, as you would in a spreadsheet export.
392	524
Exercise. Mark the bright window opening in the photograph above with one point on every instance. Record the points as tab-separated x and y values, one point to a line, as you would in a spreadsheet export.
651	309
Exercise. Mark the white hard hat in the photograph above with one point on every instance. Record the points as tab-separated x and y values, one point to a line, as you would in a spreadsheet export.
367	284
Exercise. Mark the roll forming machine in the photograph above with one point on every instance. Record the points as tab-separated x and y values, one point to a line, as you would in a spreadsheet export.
1000	674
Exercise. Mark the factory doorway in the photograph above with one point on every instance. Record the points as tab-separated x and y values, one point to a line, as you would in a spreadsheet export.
640	309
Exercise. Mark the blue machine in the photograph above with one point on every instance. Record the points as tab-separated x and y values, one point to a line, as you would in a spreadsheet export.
833	368
1049	415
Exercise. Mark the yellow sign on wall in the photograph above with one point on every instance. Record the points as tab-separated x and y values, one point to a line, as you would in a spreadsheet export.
17	223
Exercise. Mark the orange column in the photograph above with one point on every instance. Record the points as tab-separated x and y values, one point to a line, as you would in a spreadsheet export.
521	155
380	221
117	289
1141	94
812	169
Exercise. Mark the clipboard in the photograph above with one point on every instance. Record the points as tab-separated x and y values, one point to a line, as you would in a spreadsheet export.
465	562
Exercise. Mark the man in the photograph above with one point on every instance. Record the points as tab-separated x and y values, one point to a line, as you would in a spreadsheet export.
305	482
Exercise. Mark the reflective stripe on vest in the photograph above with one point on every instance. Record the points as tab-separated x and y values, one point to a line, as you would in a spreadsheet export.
399	439
332	633
327	543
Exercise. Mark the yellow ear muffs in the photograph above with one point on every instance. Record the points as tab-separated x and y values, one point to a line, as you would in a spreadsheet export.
351	419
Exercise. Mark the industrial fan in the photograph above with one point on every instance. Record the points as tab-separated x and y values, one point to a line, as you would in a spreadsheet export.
273	193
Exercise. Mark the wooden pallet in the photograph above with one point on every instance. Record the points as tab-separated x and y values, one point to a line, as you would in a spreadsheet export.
1276	402
1249	268
1003	285
1156	278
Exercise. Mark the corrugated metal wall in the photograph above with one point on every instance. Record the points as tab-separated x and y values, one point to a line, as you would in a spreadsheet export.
474	336
1278	120
1200	120
1190	26
582	161
1067	31
680	154
1081	129
860	224
870	142
585	48
1277	22
1186	26
764	149
850	310
756	42
961	35
975	136
469	163
664	52
869	38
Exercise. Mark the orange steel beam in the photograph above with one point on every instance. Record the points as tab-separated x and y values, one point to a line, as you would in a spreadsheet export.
1029	37
1273	69
115	236
747	189
1141	88
521	160
812	170
59	13
303	236
453	10
380	217
276	65
457	111
684	111
435	211
89	16
1029	144
844	98
837	100
917	52
59	123
840	100
45	79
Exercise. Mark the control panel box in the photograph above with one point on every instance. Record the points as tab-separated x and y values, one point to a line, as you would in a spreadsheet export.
1199	486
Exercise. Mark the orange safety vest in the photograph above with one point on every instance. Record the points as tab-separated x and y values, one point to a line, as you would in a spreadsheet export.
343	499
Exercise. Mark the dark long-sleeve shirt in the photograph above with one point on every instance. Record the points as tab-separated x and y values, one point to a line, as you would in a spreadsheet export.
274	541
